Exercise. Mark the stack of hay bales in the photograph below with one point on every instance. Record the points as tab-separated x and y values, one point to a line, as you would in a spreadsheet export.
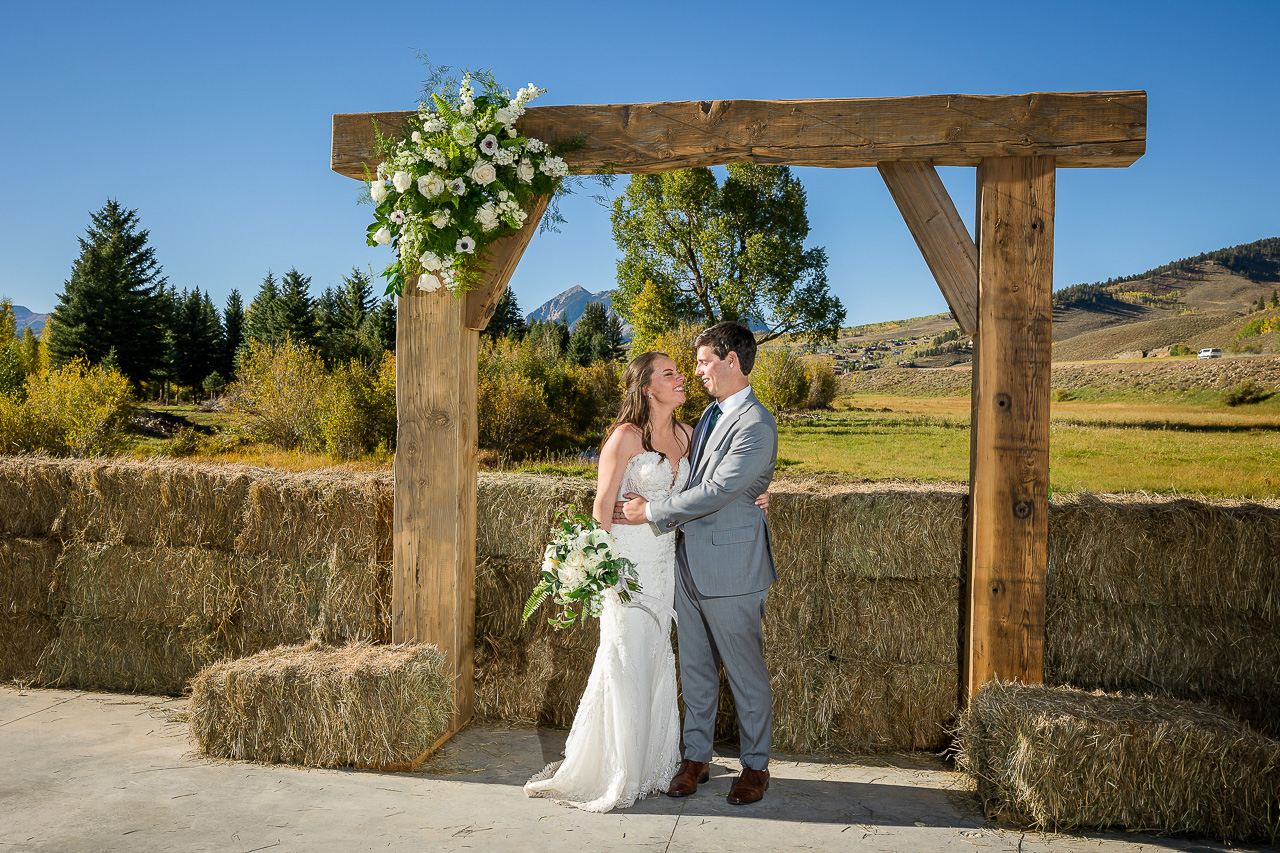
32	492
1061	759
148	571
324	706
525	672
862	628
1167	596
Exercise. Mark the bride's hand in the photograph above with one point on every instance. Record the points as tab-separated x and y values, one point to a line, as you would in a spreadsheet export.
763	502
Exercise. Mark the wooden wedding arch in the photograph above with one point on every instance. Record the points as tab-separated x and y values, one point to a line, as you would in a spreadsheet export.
999	286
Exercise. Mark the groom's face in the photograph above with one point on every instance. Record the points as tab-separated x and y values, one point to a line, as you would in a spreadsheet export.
716	373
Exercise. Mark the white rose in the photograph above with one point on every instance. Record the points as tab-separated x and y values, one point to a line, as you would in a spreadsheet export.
430	185
431	262
441	218
464	133
483	173
383	236
525	171
378	190
416	136
429	282
466	243
487	216
600	536
402	181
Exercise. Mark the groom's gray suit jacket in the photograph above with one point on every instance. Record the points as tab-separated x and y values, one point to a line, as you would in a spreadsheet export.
726	536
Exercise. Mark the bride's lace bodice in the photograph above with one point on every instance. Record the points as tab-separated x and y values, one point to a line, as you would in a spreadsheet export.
625	738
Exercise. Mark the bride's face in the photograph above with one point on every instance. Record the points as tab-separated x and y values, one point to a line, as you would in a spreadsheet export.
666	385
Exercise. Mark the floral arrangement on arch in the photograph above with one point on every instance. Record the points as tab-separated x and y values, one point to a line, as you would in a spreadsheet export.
456	181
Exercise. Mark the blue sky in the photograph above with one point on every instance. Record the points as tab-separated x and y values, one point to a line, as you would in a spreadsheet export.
213	121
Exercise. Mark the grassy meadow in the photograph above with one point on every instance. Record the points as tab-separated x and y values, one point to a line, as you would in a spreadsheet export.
1097	445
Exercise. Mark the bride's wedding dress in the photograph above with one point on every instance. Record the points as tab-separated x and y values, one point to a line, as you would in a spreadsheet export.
625	740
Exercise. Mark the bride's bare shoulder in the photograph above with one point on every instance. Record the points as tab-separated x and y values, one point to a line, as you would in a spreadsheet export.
623	443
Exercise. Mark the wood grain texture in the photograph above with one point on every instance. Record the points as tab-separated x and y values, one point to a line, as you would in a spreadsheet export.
1010	466
433	580
503	257
939	232
1081	129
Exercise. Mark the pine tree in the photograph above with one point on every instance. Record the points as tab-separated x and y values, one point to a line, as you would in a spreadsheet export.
328	328
260	320
233	336
615	349
295	310
378	333
588	343
1275	299
195	340
112	301
507	321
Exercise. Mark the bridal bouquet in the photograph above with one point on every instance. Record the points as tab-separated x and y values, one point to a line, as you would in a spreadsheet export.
578	566
458	180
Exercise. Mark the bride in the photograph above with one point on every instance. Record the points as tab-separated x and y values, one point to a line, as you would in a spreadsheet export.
625	739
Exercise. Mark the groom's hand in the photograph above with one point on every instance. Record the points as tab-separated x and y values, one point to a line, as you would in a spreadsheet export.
633	509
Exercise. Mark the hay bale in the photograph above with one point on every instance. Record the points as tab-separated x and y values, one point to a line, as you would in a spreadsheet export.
1177	552
134	657
1061	759
23	638
331	600
514	512
27	575
321	706
155	503
893	534
33	495
1183	652
192	587
306	517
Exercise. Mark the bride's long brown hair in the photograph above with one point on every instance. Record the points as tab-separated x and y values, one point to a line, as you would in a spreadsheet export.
635	403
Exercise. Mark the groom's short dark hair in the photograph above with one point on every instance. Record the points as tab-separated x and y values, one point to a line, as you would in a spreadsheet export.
724	338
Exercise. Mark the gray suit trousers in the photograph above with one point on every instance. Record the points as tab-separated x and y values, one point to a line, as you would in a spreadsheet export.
728	629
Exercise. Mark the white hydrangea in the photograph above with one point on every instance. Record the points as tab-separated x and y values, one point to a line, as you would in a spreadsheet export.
554	167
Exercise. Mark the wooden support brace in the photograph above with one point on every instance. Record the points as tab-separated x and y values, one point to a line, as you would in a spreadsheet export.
433	581
939	232
1008	553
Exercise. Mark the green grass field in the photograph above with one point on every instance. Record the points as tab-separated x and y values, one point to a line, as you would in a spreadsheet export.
1102	446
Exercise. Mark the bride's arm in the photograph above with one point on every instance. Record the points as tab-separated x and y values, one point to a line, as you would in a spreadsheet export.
617	451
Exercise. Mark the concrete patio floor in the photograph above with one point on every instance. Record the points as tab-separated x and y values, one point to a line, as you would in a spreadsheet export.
100	772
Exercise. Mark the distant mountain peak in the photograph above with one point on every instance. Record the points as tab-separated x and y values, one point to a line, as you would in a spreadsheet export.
570	304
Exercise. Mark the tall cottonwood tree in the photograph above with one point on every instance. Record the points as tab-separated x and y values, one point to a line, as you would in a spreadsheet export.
731	251
111	304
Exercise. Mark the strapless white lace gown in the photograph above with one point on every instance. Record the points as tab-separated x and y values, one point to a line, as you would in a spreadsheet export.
625	739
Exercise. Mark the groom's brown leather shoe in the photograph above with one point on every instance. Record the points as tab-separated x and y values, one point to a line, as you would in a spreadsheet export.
687	778
750	787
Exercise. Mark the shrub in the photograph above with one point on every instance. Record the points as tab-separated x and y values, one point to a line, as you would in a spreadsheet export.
353	411
513	409
779	380
74	410
1062	395
1246	393
822	385
277	391
1180	349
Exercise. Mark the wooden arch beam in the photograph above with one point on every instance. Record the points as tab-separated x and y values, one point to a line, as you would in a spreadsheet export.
1079	129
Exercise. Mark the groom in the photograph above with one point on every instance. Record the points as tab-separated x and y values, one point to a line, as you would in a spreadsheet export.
724	565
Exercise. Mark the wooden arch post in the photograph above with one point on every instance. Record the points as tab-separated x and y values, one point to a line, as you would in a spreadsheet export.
998	286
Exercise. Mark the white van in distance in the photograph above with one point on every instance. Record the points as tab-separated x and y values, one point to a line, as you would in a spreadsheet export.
1210	352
